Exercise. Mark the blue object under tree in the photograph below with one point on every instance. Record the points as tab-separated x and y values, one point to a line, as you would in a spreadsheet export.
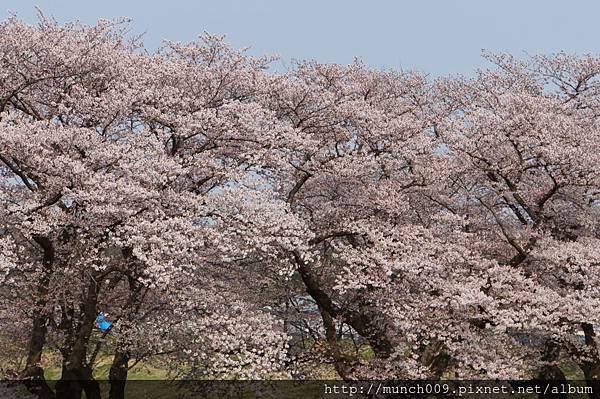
103	324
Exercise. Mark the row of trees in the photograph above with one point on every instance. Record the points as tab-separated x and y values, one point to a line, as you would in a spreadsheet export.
451	224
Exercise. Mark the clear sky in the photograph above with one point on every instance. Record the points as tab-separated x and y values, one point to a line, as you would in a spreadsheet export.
433	36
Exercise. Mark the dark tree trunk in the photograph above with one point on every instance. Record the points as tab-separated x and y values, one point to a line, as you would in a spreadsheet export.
551	373
75	381
118	375
340	362
435	358
120	365
364	323
91	387
35	382
369	324
591	369
70	385
373	329
76	373
33	374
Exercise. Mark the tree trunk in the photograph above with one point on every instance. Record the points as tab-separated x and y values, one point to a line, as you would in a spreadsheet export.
118	375
69	386
120	365
33	374
591	369
364	323
435	358
551	373
91	387
76	380
340	362
76	373
368	324
373	329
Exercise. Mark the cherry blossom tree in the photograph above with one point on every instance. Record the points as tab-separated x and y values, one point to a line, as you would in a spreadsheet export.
522	141
356	155
416	193
121	182
194	197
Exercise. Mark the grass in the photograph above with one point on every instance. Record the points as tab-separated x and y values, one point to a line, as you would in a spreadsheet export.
142	371
156	376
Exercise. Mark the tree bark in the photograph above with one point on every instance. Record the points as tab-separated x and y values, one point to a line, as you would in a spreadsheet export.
435	358
33	374
591	369
120	365
551	373
76	373
118	375
340	362
368	324
364	323
372	328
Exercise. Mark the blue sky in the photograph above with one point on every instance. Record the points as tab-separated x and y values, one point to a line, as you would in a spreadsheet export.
434	36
